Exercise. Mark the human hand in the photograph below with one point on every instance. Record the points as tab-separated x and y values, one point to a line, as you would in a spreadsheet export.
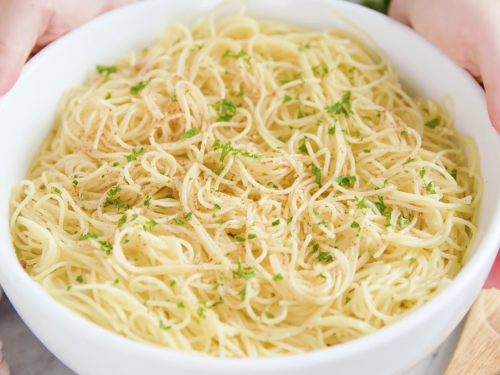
26	26
468	31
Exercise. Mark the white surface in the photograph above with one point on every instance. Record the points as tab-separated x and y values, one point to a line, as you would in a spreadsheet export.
26	115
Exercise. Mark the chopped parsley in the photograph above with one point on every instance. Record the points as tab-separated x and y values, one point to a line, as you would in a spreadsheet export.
408	161
278	277
272	185
422	173
362	203
240	239
226	110
281	139
147	201
289	220
188	216
432	123
242	293
108	96
190	133
322	222
133	156
343	106
56	190
347	299
220	169
88	235
366	151
244	272
315	247
252	236
151	223
402	222
134	90
178	222
217	207
242	53
331	131
303	148
324	256
454	174
317	173
173	282
79	279
381	207
304	47
276	222
346	180
269	315
163	326
106	69
430	189
287	98
318	68
122	221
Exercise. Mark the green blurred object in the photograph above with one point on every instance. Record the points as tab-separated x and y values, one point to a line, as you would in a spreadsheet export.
381	6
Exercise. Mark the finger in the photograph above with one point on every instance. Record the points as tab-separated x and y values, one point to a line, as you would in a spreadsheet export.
489	61
400	10
493	280
19	26
68	15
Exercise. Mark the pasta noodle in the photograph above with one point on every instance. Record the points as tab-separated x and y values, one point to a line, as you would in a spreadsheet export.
247	189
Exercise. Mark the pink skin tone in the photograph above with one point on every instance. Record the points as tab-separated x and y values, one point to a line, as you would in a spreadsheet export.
467	30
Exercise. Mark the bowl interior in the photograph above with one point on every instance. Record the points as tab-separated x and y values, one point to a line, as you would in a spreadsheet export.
28	111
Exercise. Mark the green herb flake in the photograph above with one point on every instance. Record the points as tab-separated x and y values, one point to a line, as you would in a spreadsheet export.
277	277
422	173
178	222
252	236
80	279
106	69
87	236
226	110
276	222
134	155
346	180
269	315
281	139
430	189
190	133
408	161
163	326
122	221
343	106
432	123
324	256
272	185
366	151
134	90
242	293
454	174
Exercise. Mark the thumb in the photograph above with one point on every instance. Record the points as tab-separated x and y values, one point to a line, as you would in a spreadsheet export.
19	23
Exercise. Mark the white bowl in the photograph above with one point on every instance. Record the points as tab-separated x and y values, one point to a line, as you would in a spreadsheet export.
26	116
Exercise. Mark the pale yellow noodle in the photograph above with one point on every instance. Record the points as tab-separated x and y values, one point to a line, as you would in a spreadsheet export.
139	228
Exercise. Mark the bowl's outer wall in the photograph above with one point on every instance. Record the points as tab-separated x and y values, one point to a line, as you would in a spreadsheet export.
26	117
